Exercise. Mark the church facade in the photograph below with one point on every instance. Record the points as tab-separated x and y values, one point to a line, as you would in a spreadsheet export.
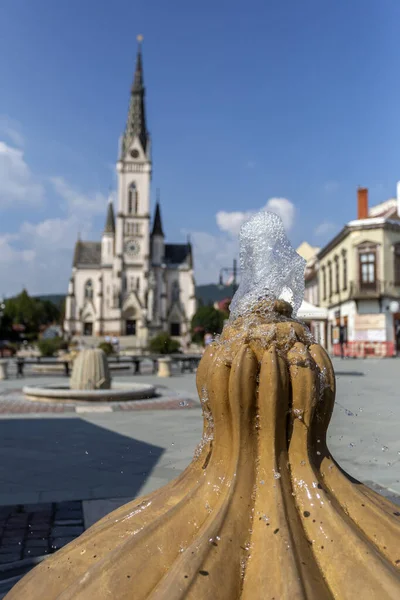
132	283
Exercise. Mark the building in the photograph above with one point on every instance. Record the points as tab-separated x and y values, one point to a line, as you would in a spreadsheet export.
132	283
310	312
310	255
359	281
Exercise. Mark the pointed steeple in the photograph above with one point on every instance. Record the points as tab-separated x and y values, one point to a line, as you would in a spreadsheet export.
136	122
157	224
190	251
110	221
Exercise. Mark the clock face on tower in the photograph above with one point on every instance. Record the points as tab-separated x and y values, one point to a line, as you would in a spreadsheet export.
132	247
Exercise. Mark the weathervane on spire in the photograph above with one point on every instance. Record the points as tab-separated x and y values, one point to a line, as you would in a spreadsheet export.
140	38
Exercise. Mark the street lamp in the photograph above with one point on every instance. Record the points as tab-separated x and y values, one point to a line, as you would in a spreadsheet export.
229	271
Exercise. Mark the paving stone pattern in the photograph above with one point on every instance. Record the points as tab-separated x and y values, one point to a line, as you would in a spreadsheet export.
13	402
32	530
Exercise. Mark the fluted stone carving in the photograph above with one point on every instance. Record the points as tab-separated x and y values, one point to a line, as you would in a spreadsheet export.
262	512
90	371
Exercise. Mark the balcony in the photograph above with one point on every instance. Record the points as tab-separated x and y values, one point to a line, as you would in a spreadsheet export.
362	291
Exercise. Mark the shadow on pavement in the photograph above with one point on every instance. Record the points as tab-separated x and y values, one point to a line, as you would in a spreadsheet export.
50	460
351	373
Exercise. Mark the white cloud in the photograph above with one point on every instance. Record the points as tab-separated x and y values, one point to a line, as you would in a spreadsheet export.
325	228
39	256
55	234
11	130
17	183
284	209
92	203
213	252
231	222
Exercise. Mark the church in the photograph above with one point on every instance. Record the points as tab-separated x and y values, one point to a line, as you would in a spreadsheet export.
132	283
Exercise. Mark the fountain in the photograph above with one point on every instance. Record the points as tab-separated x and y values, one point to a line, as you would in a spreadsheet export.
263	510
91	382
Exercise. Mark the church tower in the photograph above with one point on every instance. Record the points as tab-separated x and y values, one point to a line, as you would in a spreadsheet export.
132	284
132	244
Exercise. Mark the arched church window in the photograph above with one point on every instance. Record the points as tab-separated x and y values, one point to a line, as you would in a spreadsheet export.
89	289
133	199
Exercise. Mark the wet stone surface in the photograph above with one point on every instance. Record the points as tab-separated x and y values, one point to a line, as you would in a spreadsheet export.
31	530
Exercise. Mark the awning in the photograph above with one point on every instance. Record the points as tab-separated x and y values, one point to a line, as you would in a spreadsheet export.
309	312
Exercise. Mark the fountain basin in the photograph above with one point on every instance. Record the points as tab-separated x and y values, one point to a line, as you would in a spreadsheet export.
118	392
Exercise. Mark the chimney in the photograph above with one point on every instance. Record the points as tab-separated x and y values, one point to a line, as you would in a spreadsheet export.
398	198
362	198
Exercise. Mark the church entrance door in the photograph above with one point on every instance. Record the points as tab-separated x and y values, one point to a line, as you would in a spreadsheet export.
130	327
88	329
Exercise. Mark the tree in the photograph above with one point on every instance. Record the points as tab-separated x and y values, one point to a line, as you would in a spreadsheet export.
163	344
207	319
106	347
30	312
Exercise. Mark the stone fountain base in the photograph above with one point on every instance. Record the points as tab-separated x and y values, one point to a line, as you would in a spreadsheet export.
118	392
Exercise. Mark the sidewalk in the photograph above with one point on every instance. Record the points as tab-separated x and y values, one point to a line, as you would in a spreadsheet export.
103	460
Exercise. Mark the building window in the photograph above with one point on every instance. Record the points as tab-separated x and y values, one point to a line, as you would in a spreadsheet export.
367	260
175	329
323	283
344	271
330	290
138	284
132	199
337	281
89	290
397	264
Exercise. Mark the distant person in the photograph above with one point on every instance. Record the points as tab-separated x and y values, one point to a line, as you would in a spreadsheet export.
342	341
208	338
115	343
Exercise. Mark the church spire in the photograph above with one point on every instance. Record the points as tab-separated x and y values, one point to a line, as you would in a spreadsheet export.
157	224
110	221
136	122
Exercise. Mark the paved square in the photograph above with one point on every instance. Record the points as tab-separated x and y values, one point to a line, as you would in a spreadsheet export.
97	456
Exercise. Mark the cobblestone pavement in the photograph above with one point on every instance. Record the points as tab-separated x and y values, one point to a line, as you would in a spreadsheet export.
13	402
29	532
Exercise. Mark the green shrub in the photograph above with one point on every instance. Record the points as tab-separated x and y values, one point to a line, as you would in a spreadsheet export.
106	347
49	347
163	344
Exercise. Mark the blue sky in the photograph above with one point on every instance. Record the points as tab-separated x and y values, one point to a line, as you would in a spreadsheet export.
245	102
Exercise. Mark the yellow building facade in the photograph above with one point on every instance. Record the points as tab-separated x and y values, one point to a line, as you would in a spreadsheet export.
359	282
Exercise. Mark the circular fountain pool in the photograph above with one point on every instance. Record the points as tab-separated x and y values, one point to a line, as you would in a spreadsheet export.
118	392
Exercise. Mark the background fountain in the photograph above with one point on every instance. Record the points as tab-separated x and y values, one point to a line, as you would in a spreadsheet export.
263	510
91	382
